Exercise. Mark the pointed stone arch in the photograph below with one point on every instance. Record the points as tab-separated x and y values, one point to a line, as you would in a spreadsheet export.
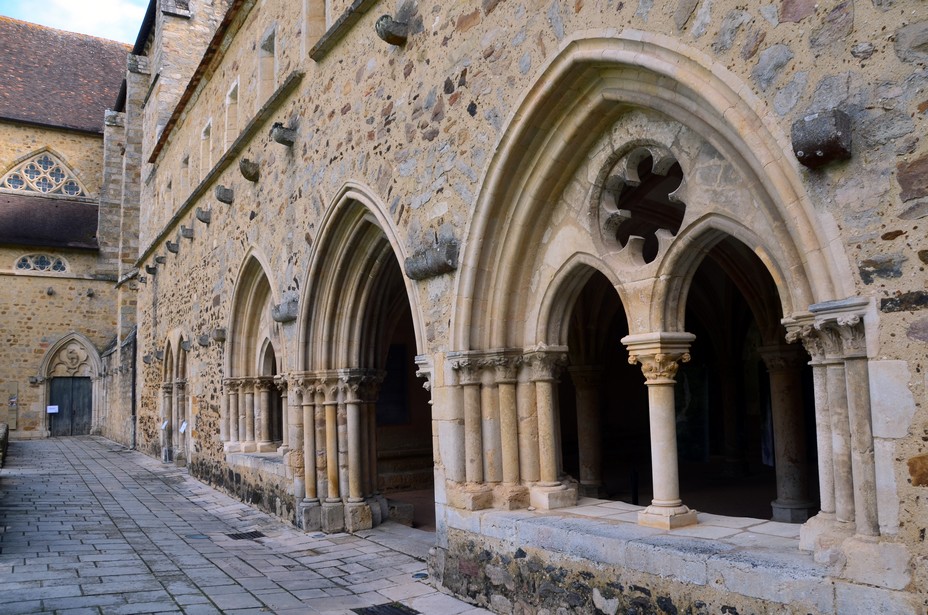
73	356
593	81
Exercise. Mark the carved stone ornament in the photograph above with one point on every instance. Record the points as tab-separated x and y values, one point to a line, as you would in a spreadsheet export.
286	311
203	215
853	336
185	232
225	195
659	368
282	135
391	31
249	169
72	360
172	246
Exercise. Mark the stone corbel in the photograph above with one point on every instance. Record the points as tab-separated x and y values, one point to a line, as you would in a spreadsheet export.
285	312
249	169
391	31
161	259
151	269
203	215
219	334
282	135
433	261
225	194
172	246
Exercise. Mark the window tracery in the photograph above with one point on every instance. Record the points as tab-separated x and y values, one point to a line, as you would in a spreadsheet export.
43	173
41	262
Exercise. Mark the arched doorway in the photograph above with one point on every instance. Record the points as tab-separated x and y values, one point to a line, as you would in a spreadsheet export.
71	369
372	439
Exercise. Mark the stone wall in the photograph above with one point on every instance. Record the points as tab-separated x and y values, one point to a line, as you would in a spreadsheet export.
418	130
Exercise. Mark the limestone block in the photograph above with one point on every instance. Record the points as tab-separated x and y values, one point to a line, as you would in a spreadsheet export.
884	564
852	598
684	559
785	578
546	498
311	516
502	525
332	517
358	517
887	494
891	402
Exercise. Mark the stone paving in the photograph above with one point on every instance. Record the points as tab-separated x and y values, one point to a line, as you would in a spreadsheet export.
87	526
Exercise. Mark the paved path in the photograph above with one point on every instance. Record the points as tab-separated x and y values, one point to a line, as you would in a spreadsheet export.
87	526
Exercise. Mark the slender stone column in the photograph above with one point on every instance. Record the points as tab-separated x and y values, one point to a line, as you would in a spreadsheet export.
342	421
167	413
232	391
506	370
853	339
548	492
489	419
308	423
333	512
473	431
353	411
322	455
587	380
660	355
288	412
784	365
263	393
249	444
836	385
529	467
180	414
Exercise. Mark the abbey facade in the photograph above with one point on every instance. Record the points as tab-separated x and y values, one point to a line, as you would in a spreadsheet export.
634	290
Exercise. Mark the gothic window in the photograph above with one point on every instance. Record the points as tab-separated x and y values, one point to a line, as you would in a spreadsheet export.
43	173
41	262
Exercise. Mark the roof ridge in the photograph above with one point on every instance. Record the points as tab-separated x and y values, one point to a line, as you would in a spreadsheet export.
66	32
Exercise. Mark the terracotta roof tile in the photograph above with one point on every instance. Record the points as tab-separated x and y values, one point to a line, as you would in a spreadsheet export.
57	78
65	224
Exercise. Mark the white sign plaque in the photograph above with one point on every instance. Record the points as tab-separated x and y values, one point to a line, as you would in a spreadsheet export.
183	427
164	425
52	409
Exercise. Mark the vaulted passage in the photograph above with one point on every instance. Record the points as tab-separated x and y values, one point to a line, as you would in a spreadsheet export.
745	414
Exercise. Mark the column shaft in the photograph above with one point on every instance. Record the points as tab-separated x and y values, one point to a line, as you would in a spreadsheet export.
473	438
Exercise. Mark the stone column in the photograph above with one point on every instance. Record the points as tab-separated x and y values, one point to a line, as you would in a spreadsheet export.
548	492
263	393
514	494
180	414
784	365
287	408
249	444
357	513
233	444
167	412
853	340
489	420
529	467
660	355
473	429
322	469
587	380
333	512
836	385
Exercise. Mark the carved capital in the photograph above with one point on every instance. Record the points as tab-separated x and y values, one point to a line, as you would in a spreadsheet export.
810	339
659	368
468	369
282	383
853	336
546	364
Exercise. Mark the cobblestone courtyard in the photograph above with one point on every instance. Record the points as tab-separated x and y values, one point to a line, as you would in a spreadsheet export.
87	526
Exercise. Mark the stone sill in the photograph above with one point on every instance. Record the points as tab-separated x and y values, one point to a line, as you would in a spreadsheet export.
340	28
266	463
751	557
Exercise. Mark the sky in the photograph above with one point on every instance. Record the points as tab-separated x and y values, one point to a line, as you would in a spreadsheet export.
118	20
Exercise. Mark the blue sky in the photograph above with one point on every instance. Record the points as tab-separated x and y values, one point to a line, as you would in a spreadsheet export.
118	20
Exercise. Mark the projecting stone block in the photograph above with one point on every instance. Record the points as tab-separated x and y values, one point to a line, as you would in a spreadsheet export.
358	517
391	31
433	261
225	195
311	514
249	169
286	311
822	138
282	135
333	517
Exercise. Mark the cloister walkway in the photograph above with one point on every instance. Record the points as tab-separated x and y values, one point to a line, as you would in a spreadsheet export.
87	526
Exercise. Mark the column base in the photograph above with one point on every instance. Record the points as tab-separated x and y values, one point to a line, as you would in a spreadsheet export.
791	511
283	449
511	497
823	535
232	447
248	447
311	515
266	447
549	497
667	517
333	517
358	517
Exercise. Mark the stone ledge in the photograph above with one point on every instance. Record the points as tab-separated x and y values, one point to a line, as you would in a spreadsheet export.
340	28
772	574
266	463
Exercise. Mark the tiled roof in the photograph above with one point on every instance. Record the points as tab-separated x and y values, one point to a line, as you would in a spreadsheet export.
62	223
57	78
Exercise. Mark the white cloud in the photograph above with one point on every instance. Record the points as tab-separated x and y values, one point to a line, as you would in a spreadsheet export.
119	20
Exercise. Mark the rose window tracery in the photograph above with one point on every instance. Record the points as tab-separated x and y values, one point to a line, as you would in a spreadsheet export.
641	206
41	262
43	173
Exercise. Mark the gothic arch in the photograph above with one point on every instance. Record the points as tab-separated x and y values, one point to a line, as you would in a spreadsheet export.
352	253
590	84
250	318
70	184
73	355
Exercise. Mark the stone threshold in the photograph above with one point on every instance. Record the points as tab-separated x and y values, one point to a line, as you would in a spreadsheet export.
755	558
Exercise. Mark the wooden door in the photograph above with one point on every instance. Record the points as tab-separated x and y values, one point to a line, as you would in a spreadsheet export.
73	397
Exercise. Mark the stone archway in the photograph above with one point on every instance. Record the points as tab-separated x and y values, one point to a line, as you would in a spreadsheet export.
71	371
